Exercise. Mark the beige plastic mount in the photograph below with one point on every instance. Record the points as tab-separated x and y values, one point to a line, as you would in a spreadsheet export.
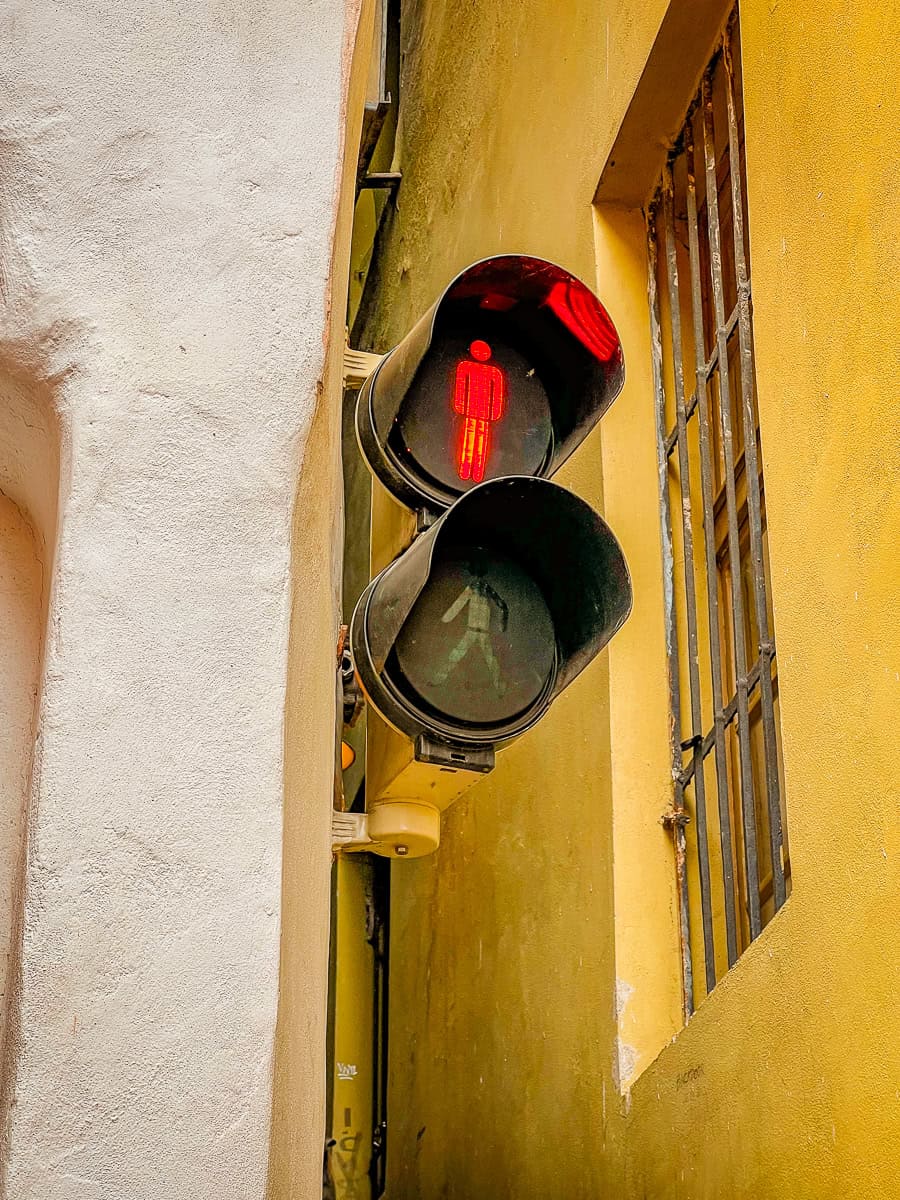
404	818
358	366
397	829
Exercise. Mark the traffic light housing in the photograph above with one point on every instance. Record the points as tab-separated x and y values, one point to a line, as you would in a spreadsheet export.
513	583
539	331
470	634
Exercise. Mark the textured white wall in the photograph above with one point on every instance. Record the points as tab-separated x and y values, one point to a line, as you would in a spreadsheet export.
168	182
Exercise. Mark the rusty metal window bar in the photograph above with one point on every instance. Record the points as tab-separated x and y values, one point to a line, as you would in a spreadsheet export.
727	816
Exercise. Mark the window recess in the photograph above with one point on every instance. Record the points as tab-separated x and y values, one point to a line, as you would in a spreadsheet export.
728	815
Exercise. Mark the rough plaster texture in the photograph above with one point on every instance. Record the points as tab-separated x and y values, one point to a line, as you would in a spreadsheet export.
168	184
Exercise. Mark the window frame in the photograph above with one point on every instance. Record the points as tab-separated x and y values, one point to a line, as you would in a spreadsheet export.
729	718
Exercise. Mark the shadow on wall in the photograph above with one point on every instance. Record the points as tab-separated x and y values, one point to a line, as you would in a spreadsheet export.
29	501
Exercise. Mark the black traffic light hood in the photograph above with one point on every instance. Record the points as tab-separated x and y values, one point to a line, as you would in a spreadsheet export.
553	313
555	537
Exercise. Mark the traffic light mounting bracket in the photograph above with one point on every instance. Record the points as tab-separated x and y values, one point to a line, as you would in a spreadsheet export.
358	366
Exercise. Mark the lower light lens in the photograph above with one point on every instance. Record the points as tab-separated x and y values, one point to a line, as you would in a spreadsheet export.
479	644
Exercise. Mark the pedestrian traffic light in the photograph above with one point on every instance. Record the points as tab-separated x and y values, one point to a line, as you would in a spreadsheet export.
513	583
469	635
505	374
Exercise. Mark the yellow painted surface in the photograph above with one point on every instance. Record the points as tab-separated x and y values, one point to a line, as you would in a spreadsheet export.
351	1110
648	996
23	589
297	1136
535	963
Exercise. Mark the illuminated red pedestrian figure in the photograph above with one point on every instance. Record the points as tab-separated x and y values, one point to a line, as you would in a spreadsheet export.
479	396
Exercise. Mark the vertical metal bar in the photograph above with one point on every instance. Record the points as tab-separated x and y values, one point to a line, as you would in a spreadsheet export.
745	335
671	630
737	603
709	533
690	594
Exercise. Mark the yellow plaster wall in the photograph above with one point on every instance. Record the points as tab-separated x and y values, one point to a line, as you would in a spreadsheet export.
22	605
503	124
506	1036
298	1121
648	996
351	1117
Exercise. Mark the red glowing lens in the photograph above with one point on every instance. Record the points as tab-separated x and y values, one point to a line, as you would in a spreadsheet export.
479	397
581	313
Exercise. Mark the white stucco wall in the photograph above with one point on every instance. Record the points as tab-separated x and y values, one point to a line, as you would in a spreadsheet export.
168	182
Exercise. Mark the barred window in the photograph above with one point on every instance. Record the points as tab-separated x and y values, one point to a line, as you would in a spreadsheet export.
727	816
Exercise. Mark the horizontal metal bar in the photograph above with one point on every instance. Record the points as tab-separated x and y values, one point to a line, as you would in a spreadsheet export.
390	180
729	712
720	501
689	409
708	367
724	333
